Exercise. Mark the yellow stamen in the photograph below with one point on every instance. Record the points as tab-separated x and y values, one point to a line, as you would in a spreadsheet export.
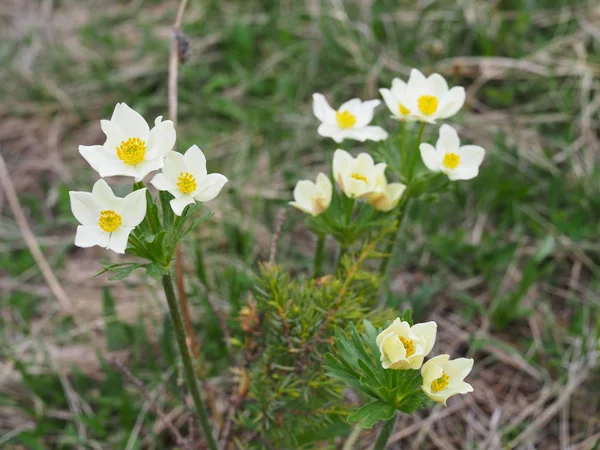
451	160
109	221
428	104
359	177
441	383
345	119
186	182
403	109
132	151
409	345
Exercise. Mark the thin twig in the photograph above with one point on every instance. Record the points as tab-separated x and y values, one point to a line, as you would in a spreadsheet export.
30	239
277	235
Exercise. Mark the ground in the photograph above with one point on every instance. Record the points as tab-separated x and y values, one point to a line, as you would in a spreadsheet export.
508	264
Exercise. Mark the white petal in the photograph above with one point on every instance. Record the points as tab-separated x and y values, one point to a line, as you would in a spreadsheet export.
436	85
391	348
134	208
302	207
179	204
430	156
322	110
147	166
371	133
324	184
118	239
397	326
352	106
105	164
195	162
391	101
365	113
304	191
432	369
471	155
341	164
332	131
174	165
416	361
448	140
84	207
161	183
161	141
210	188
88	236
452	102
131	122
459	368
427	331
105	197
463	173
398	88
114	136
416	82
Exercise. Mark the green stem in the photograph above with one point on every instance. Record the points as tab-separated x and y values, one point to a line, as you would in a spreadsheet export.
385	433
392	243
349	210
319	255
403	153
415	155
188	368
343	251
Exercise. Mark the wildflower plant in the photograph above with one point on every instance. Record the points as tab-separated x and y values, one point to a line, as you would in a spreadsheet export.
301	339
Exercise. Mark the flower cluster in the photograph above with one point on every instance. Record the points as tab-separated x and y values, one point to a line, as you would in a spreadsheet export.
404	347
134	150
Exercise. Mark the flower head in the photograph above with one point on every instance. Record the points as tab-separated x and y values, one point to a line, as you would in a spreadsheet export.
405	347
350	121
131	148
313	198
448	156
443	378
185	177
106	220
359	176
387	196
424	99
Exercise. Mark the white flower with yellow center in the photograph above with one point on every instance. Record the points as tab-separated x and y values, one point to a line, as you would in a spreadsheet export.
448	156
425	99
404	347
350	121
131	148
185	177
313	198
357	177
387	196
443	378
106	220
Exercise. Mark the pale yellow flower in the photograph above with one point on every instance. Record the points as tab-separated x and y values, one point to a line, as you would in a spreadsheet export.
313	198
387	196
405	347
443	378
357	177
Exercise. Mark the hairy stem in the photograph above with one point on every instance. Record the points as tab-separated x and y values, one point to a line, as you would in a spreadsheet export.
385	433
415	156
389	250
319	255
188	367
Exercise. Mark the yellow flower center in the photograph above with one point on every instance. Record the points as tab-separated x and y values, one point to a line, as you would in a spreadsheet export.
345	119
186	182
409	345
359	177
132	151
403	109
441	383
109	221
451	160
428	104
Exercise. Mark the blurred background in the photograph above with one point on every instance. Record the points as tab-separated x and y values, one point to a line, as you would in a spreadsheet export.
507	264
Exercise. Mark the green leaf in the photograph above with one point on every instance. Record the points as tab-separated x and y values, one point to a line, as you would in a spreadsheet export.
120	271
372	413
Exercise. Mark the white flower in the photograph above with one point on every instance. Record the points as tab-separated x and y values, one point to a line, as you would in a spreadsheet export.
350	121
448	156
106	220
313	198
405	347
185	177
357	177
131	148
443	378
424	99
387	196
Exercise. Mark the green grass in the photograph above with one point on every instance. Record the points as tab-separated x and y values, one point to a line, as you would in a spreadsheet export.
510	258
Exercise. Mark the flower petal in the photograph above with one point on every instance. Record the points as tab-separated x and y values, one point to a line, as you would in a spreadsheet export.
131	122
341	164
88	236
433	369
332	131
114	136
179	204
147	166
174	165
416	81
118	239
105	197
463	173
471	155
302	207
430	156
370	133
352	106
134	208
161	140
105	164
436	85
365	113
161	183
322	110
459	368
452	102
210	188
390	101
304	191
195	162
324	184
428	331
84	207
448	140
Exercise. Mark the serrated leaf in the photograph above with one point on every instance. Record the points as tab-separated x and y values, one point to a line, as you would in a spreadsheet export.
372	413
